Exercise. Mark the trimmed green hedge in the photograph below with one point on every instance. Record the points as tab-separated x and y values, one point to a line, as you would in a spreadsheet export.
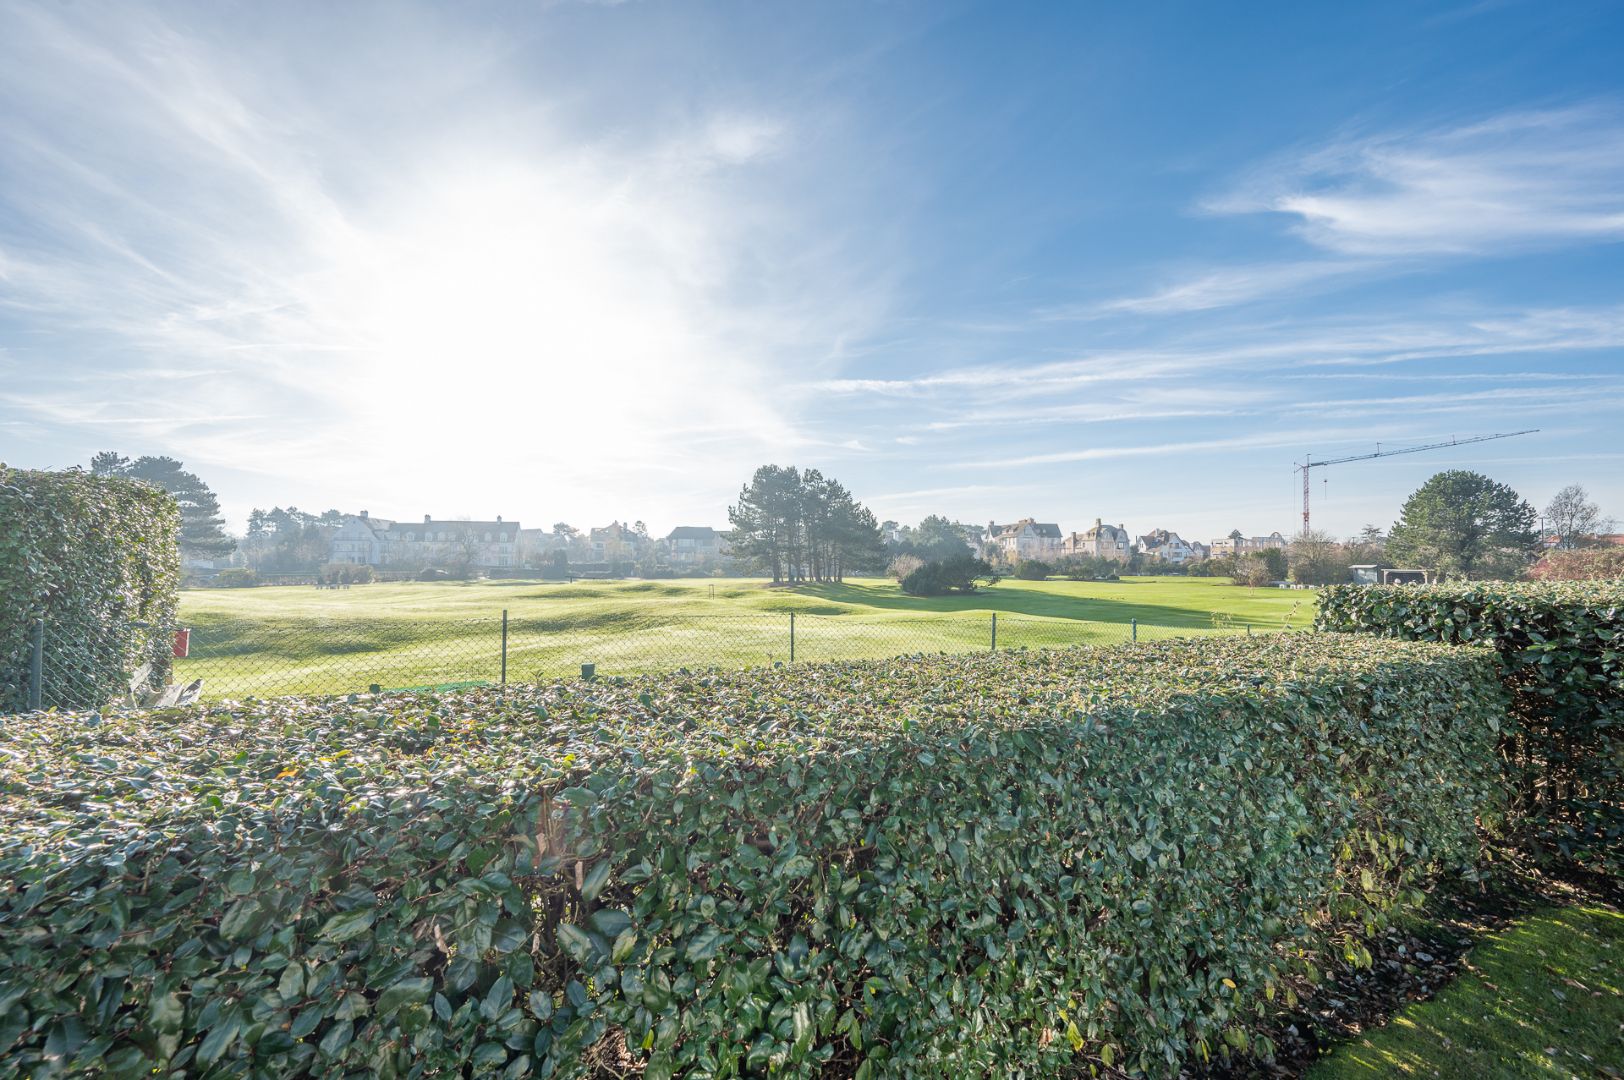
93	556
1563	646
973	865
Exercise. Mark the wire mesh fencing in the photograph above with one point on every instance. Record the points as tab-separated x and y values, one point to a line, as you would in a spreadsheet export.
236	659
51	666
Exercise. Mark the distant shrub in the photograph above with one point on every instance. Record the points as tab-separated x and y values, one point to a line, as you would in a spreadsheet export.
1088	856
958	574
98	559
235	577
1561	645
1032	570
903	565
1584	564
347	573
1253	571
1087	568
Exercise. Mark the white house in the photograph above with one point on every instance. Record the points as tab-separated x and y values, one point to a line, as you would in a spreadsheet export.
1101	542
360	539
687	544
1025	539
485	545
1165	545
1236	544
613	541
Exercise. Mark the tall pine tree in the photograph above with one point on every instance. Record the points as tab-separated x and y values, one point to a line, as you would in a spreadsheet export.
800	526
202	529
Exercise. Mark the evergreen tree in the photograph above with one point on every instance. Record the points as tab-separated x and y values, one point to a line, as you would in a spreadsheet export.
1463	524
202	529
800	526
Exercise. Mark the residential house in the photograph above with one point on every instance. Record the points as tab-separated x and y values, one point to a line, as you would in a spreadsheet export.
1236	544
361	540
613	542
690	544
1166	546
1025	539
1100	542
483	545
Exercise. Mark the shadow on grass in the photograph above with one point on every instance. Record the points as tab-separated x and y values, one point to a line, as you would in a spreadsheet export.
1545	998
1022	602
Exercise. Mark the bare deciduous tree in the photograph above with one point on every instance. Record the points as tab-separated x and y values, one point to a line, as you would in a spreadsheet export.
1573	519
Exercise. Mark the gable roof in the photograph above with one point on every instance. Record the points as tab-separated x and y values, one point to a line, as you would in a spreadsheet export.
1047	530
1102	531
1160	537
458	527
693	532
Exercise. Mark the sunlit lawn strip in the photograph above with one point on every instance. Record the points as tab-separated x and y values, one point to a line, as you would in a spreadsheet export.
1545	998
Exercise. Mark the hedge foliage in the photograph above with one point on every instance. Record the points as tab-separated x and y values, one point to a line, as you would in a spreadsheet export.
949	866
93	556
1563	644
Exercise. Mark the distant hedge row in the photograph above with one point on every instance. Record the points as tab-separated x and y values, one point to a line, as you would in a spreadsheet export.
954	866
94	556
1563	647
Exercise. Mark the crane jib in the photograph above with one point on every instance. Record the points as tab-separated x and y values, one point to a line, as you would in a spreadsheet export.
1310	463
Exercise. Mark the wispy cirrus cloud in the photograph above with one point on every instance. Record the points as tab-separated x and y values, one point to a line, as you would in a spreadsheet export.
1228	286
1287	346
343	269
1519	180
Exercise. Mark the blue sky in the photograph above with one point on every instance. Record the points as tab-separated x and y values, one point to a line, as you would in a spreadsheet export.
586	261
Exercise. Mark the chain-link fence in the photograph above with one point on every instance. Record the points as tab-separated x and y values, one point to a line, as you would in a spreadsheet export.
244	658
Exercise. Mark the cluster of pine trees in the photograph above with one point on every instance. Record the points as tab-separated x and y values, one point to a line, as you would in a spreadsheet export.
202	529
803	526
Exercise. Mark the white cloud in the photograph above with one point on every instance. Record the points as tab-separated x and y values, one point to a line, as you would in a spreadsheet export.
1255	348
1228	286
1192	446
360	292
736	139
1519	180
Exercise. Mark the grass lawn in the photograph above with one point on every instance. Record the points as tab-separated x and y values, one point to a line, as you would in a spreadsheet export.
1544	998
297	639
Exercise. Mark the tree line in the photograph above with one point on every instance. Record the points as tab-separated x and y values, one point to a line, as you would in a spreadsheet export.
803	526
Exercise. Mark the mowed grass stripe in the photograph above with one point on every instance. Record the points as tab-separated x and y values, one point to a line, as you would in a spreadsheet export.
284	640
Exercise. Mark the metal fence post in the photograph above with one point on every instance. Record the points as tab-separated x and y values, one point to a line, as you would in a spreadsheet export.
792	637
995	631
504	646
36	668
1135	624
1248	629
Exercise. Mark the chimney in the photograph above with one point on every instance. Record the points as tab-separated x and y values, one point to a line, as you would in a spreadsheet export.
499	519
1098	523
426	519
363	515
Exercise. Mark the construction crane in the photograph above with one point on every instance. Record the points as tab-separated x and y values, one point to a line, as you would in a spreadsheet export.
1310	463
